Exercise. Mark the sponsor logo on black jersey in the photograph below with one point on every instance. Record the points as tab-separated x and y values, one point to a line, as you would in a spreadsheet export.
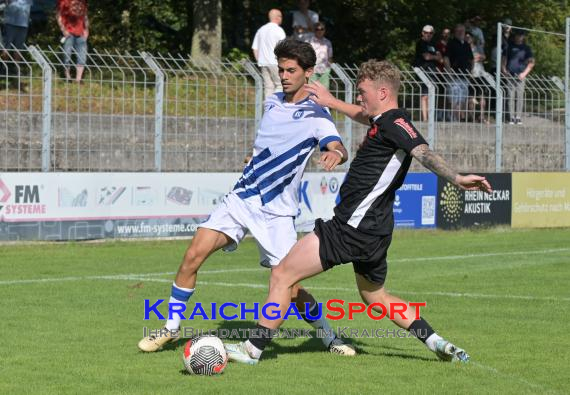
401	122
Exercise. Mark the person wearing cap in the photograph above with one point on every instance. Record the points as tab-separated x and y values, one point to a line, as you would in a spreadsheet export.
517	64
427	58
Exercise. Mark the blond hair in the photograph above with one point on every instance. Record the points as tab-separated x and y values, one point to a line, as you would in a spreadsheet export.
380	71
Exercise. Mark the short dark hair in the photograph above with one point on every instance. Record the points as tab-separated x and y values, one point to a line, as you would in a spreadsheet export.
300	51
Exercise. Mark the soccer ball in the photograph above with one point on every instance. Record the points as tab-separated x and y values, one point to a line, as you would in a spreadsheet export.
205	355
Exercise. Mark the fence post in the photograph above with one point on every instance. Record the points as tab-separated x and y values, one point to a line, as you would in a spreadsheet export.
567	94
46	105
252	70
431	105
348	94
158	108
499	103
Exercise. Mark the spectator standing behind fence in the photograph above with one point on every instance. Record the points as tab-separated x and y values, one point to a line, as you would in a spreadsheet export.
74	24
441	46
478	54
477	89
304	21
506	36
264	42
2	7
517	64
16	23
427	58
459	60
476	32
324	50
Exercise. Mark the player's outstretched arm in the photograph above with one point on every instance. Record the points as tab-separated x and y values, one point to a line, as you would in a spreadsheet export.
435	163
322	96
335	155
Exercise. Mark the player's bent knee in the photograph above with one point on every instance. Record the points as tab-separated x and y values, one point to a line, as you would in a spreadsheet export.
192	260
373	297
280	279
367	298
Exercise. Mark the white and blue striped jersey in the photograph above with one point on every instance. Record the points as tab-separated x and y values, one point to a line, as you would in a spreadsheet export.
286	138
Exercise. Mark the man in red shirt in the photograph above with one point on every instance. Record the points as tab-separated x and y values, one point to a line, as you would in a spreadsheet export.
74	24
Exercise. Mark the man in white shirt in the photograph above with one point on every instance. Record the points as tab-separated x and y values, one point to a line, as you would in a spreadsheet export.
304	21
264	42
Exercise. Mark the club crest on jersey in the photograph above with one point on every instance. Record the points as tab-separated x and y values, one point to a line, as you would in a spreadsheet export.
298	114
373	130
407	127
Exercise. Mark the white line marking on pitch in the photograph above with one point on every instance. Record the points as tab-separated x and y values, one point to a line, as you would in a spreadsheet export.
485	255
237	270
134	277
217	271
148	277
128	276
513	377
341	289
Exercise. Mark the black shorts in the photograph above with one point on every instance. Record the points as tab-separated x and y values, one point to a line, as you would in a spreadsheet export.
341	243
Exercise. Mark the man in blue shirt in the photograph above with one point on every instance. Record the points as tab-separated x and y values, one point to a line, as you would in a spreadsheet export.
518	62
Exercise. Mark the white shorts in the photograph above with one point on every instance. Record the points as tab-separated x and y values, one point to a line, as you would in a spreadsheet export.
275	235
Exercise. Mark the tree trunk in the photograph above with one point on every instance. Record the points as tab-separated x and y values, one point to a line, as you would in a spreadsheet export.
207	34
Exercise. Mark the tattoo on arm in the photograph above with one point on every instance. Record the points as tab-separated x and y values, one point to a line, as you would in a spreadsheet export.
434	162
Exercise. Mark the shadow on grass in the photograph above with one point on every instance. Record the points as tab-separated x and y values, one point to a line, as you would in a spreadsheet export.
236	331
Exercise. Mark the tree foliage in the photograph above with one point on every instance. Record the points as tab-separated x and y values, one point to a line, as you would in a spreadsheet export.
359	29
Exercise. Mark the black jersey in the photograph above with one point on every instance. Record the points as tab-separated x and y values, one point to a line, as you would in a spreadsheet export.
377	171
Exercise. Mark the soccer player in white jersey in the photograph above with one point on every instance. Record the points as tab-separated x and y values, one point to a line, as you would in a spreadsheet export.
264	201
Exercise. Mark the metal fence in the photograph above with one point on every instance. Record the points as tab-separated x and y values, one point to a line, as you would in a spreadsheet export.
143	112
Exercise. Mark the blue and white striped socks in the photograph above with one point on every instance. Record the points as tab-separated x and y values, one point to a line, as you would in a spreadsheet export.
177	295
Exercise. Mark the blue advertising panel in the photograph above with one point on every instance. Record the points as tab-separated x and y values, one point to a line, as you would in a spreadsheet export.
415	202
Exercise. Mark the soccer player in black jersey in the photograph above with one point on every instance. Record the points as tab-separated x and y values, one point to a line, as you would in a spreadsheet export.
361	229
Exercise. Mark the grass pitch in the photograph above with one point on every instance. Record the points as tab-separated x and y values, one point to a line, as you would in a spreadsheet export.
72	314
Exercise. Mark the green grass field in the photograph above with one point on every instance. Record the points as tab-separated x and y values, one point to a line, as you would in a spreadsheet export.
72	314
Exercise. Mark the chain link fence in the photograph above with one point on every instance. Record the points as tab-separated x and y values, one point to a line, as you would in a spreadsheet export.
148	112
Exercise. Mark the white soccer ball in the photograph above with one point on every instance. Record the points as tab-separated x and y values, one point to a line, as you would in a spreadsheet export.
205	355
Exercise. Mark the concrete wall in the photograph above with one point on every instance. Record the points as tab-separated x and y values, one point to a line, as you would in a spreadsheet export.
126	143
